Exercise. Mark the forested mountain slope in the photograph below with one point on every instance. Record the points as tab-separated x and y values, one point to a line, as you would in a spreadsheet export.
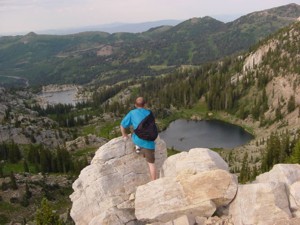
263	84
82	57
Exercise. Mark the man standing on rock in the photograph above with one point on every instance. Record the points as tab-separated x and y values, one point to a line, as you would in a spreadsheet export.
146	147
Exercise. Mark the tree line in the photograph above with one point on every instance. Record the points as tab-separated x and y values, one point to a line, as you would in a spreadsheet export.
40	159
280	148
10	151
65	115
57	161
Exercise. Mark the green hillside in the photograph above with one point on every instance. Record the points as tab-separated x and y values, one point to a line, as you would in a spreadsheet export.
80	58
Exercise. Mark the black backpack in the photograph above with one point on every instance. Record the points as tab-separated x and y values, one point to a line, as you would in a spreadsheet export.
147	129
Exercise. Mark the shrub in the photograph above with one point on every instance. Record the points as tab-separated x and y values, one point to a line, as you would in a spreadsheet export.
3	219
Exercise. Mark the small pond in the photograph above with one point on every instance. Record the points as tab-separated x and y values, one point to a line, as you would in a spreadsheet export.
186	134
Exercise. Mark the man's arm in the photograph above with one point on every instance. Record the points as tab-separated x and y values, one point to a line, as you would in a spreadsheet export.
123	131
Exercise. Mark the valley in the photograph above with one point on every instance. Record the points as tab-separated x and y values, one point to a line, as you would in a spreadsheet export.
201	69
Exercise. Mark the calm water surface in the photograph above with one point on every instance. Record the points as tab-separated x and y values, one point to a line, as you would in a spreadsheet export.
186	134
63	97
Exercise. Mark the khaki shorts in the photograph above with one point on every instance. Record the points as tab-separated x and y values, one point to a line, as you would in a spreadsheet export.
148	154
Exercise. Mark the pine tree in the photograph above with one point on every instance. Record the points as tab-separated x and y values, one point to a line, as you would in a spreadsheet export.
34	154
24	202
278	113
13	181
285	147
245	170
1	170
254	173
46	216
14	153
295	157
63	160
291	104
26	167
3	151
45	157
28	193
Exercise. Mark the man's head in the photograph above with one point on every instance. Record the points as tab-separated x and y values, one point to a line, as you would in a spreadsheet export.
140	102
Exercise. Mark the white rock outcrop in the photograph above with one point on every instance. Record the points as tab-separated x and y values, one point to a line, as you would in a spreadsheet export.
289	175
190	194
285	173
272	197
194	188
193	183
255	58
195	160
104	191
260	204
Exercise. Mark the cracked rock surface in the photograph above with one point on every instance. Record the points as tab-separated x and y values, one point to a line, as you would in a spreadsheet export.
104	190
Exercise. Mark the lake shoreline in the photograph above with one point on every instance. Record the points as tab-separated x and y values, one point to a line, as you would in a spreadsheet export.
184	134
50	95
58	88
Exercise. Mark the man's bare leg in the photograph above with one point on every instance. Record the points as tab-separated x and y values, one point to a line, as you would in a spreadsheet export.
152	169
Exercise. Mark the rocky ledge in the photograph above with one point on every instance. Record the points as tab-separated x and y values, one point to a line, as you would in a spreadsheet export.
194	188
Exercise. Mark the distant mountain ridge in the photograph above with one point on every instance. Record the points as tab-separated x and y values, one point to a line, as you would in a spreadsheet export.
109	58
114	27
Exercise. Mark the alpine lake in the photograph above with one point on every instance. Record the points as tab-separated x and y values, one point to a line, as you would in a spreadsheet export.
184	135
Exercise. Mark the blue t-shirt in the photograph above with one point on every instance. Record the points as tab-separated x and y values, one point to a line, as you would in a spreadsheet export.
134	117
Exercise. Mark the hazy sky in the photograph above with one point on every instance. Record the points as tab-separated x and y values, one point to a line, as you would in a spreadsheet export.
34	15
